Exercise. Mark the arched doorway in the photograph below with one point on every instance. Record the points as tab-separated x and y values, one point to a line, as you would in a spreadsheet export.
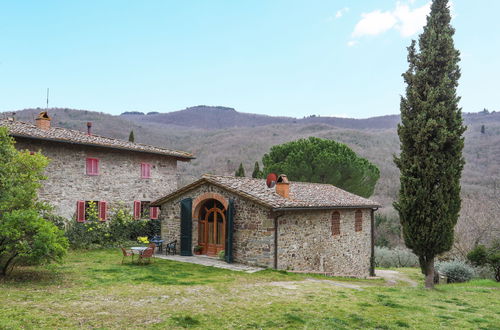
212	227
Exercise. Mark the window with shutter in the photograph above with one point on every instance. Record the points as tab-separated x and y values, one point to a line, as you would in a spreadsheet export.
336	223
80	211
103	210
145	209
153	210
137	210
92	166
145	170
358	220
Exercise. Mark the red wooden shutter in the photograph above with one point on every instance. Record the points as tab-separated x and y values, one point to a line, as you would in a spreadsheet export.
80	211
89	166
148	170
102	210
95	167
137	210
153	210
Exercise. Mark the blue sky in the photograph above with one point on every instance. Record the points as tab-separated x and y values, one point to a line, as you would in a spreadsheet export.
292	58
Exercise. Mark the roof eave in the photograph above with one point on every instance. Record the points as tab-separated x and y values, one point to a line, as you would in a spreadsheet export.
179	158
204	180
305	208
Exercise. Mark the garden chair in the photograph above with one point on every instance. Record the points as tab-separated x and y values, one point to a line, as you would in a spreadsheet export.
171	248
158	241
153	246
147	254
127	253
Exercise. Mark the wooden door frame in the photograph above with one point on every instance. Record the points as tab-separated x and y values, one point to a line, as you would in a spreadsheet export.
214	248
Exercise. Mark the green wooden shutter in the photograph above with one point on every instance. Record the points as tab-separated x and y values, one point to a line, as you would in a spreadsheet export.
228	249
186	227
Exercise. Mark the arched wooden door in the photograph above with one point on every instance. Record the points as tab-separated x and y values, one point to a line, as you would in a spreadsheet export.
212	227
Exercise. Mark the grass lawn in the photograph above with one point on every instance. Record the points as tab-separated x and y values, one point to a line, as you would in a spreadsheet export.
92	289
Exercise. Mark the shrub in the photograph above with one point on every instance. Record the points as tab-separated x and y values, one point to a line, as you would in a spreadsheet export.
58	221
119	229
455	270
398	257
387	231
482	256
25	236
221	255
29	239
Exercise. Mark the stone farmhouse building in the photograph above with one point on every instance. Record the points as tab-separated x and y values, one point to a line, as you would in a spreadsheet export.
85	167
295	226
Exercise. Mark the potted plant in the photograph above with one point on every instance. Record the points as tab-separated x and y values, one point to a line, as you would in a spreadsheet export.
197	249
143	240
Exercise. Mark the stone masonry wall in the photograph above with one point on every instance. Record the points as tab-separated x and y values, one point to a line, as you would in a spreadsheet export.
253	228
306	243
119	180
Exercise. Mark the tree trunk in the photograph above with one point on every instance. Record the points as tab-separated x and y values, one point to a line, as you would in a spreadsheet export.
429	274
5	269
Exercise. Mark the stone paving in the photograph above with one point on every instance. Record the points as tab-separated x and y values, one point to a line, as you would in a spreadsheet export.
210	262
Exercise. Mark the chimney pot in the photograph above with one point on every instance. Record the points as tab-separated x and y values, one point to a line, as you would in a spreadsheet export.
283	186
43	120
89	128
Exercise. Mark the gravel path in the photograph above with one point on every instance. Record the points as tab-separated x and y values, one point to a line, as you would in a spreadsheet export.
212	262
392	277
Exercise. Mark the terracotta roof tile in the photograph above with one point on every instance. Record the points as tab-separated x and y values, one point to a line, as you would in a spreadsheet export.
59	134
302	194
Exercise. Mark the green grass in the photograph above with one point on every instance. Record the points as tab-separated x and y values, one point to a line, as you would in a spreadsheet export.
92	289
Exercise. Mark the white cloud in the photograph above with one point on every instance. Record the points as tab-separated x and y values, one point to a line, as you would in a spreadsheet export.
403	18
411	21
352	43
341	12
374	23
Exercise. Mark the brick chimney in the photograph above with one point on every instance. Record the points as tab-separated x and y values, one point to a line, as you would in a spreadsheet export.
43	120
283	186
89	128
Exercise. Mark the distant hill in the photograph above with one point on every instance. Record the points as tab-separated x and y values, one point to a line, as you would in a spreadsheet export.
212	118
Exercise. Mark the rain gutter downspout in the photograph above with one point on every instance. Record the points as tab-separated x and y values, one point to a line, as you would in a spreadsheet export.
372	256
276	238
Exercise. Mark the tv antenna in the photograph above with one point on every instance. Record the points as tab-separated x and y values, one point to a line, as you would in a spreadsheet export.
47	98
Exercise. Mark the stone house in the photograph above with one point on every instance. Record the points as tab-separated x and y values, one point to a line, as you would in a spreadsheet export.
295	226
85	167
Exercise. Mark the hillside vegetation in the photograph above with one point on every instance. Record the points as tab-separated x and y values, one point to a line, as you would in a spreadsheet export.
221	138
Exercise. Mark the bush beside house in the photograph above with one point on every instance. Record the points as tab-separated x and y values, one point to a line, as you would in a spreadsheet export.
25	236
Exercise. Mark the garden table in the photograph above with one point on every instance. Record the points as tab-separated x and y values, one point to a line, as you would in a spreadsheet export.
138	249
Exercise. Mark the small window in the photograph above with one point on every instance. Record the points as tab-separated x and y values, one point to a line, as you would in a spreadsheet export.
142	210
145	170
145	209
358	220
335	223
87	209
92	166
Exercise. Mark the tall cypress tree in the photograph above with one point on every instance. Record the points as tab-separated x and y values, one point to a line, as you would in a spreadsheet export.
240	171
431	136
256	174
131	137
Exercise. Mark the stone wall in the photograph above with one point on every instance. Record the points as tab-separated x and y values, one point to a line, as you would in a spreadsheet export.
306	243
119	180
253	228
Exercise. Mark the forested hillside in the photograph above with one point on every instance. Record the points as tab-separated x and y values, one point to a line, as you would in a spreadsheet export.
221	138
